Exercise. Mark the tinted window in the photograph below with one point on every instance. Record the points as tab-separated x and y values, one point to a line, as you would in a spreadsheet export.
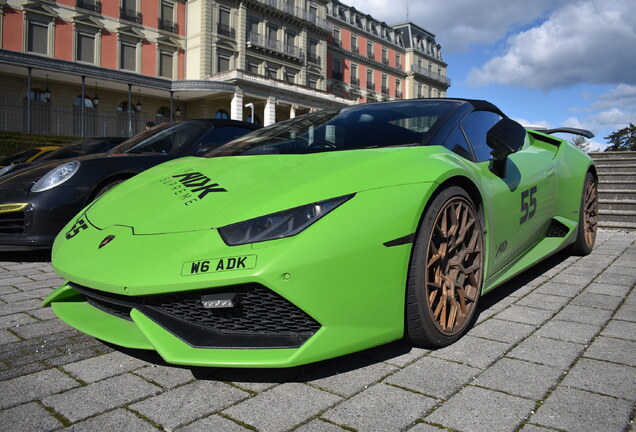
81	148
356	127
219	135
167	138
456	142
476	125
18	157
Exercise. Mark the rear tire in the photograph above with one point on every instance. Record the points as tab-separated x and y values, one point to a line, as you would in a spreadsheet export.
588	218
446	270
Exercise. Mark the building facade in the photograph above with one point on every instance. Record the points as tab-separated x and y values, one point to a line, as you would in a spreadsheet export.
91	67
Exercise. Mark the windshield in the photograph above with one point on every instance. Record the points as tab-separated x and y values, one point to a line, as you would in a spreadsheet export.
19	157
167	138
81	148
405	123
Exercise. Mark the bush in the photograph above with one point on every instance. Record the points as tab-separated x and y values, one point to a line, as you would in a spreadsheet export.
12	142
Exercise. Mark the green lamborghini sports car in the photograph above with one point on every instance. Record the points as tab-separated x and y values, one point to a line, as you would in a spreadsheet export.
323	235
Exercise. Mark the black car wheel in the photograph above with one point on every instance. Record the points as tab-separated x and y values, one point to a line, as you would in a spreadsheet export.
446	271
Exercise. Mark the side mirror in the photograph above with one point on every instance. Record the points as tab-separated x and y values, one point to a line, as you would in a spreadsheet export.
504	138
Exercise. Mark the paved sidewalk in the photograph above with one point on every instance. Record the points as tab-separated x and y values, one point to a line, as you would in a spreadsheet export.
553	350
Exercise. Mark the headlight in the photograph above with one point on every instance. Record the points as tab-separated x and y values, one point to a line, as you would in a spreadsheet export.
56	176
5	170
278	225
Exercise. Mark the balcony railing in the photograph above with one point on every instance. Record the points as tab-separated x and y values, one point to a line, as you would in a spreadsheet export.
289	8
385	61
259	40
313	58
91	5
385	90
168	25
355	81
354	49
370	86
398	94
130	15
336	75
435	76
370	55
225	30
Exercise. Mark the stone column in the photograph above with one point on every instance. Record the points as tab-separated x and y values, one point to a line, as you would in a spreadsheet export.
270	111
236	106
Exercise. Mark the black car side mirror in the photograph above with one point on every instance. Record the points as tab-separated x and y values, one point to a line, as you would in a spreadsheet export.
504	138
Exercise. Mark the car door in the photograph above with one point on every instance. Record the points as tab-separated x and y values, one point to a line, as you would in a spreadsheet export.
520	202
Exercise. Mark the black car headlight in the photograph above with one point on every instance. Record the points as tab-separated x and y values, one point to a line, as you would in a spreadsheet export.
56	176
278	225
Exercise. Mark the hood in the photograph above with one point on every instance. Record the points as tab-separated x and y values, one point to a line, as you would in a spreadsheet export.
196	194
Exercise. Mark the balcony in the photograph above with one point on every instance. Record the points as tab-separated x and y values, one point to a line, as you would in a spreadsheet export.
261	41
398	94
336	75
290	9
385	90
430	74
313	58
371	86
91	5
225	30
168	25
130	15
355	81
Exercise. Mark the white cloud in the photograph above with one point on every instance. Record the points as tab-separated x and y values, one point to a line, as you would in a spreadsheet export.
590	41
459	24
623	95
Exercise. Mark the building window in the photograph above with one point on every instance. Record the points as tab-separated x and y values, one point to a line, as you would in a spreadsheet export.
252	66
313	52
313	82
166	20
38	38
221	114
272	72
165	64
370	85
290	76
128	56
336	36
354	75
419	91
398	61
385	56
385	84
336	70
252	28
223	62
354	43
370	49
272	33
398	89
128	11
225	26
85	49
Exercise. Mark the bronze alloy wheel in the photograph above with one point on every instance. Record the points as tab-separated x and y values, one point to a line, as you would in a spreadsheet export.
590	211
454	262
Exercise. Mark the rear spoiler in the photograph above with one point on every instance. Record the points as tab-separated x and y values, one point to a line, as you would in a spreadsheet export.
582	132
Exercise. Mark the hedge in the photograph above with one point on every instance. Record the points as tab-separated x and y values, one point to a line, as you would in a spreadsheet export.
12	142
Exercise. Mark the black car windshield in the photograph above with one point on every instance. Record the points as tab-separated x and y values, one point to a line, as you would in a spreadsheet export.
391	124
19	157
167	138
81	148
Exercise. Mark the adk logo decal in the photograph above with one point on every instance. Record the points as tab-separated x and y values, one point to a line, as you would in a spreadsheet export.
214	265
191	187
78	226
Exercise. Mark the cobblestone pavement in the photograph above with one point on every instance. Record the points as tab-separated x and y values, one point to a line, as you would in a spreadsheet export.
553	350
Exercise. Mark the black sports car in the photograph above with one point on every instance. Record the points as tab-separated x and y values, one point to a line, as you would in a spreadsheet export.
37	201
75	149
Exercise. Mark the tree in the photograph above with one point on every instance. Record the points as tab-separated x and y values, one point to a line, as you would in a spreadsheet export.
623	139
581	143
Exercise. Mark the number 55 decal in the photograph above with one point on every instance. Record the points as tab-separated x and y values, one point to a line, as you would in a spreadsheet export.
528	204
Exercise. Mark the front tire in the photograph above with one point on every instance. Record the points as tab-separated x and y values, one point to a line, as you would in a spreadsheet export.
446	270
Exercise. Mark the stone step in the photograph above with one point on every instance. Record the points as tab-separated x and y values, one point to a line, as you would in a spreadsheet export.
613	155
603	166
626	185
607	204
631	226
624	216
615	194
614	175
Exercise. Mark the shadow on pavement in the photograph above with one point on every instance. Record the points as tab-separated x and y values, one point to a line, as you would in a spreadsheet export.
42	255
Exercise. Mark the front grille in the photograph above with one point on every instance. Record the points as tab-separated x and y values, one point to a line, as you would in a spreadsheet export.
260	319
12	223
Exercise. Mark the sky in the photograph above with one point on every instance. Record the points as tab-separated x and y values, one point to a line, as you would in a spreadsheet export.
545	63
